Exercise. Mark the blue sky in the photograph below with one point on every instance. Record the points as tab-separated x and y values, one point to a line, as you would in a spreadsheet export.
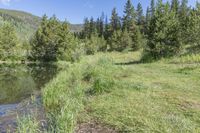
72	10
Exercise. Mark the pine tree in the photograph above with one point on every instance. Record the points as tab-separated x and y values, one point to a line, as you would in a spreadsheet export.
193	30
8	42
107	32
92	27
136	36
86	28
97	23
184	8
101	24
140	16
175	6
114	40
163	36
183	19
152	8
52	41
129	15
115	21
147	21
125	41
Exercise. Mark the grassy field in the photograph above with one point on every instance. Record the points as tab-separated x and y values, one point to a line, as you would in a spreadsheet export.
157	97
116	91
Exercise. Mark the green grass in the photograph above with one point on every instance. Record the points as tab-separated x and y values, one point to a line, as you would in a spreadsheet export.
154	97
28	124
160	97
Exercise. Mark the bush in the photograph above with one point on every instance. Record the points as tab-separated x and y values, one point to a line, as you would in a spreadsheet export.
100	76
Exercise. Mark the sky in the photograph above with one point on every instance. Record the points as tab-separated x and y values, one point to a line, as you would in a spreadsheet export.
73	11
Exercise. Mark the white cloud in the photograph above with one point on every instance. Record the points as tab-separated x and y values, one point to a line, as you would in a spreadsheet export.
5	2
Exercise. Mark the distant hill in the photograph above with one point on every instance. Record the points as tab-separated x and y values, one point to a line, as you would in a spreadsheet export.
26	23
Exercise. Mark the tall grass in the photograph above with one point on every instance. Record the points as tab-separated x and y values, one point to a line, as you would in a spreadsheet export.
62	99
28	124
63	96
128	97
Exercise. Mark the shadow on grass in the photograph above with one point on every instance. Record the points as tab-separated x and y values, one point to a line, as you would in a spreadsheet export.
130	63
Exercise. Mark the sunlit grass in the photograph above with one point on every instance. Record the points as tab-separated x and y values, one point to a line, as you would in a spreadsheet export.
28	124
125	94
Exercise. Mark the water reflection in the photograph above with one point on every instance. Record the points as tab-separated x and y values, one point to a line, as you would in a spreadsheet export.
18	82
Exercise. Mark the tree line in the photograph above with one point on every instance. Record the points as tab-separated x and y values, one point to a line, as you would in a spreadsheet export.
165	31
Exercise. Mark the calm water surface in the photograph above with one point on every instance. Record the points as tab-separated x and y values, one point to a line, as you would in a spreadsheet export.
18	82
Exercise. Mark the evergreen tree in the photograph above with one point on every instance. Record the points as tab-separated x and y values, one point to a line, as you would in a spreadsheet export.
152	8
140	17
136	36
95	44
148	18
129	15
183	19
92	27
98	23
193	30
120	40
8	42
107	33
86	28
183	13
114	40
175	6
101	25
115	21
125	41
52	41
163	36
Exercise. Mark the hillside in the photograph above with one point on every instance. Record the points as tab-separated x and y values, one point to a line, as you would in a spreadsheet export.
26	23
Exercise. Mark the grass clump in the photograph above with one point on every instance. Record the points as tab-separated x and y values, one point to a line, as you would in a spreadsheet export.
100	76
27	124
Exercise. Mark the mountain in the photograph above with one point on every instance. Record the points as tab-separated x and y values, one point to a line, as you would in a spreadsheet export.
26	23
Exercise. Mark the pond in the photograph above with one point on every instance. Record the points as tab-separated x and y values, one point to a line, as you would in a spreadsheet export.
19	82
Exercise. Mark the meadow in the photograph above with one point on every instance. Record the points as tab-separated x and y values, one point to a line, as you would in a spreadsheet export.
116	92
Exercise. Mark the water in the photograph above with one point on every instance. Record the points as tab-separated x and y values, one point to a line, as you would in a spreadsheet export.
17	84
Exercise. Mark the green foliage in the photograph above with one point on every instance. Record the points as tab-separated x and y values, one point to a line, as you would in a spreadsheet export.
120	41
115	21
95	44
27	124
99	75
52	41
175	6
63	99
192	34
140	16
164	35
129	15
152	8
24	23
8	42
136	36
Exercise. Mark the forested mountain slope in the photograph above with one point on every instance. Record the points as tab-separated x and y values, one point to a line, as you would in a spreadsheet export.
25	23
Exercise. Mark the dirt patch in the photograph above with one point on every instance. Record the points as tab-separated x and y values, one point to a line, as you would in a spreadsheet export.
94	127
190	105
